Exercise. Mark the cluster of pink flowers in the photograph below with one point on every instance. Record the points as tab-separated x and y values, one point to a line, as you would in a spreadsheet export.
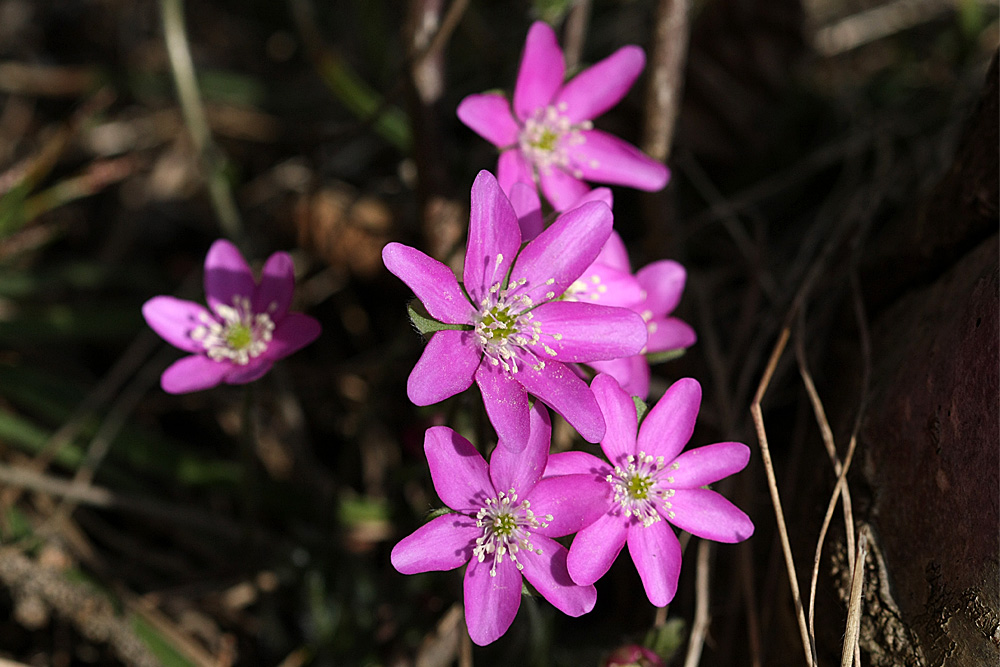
540	310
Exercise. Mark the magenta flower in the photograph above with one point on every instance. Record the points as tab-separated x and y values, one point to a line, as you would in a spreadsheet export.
660	286
512	333
245	329
504	519
653	484
548	139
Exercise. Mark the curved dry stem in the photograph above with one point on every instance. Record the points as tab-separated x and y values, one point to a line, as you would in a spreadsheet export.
702	619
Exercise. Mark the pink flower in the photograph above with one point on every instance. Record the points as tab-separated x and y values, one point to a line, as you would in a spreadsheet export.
548	138
504	519
653	292
634	655
653	483
512	334
245	329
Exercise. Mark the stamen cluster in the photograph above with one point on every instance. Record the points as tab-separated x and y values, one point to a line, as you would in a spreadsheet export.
548	137
235	333
641	487
507	527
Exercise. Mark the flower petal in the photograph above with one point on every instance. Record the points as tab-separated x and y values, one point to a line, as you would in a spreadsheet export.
669	333
620	419
548	574
521	468
602	85
705	465
605	158
443	543
632	373
173	320
555	258
489	116
574	501
562	189
708	514
277	285
657	557
291	334
597	194
613	253
494	237
586	332
670	423
596	547
460	475
490	602
527	205
506	404
193	373
227	275
256	369
559	388
433	283
541	72
608	286
664	284
575	463
513	168
445	368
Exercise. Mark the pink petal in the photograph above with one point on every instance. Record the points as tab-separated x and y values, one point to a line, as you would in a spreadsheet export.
547	573
575	463
193	373
664	285
494	237
433	283
520	469
705	465
669	333
632	373
670	423
443	543
489	116
608	286
291	334
597	194
559	388
657	557
602	85
562	190
513	168
506	404
227	275
607	159
173	320
596	547
527	205
707	514
541	72
446	367
277	285
491	602
256	369
562	252
574	501
620	418
460	475
586	332
614	253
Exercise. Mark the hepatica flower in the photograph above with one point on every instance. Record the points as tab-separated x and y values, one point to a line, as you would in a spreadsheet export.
243	331
503	519
547	137
653	484
509	331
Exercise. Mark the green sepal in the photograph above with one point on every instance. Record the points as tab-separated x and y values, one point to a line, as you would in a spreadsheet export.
427	325
641	408
441	511
666	355
666	639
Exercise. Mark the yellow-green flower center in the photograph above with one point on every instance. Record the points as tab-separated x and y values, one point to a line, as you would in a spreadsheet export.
642	487
238	336
235	333
507	526
638	486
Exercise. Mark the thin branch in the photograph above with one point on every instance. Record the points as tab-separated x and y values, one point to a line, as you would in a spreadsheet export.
854	610
575	33
666	81
702	618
